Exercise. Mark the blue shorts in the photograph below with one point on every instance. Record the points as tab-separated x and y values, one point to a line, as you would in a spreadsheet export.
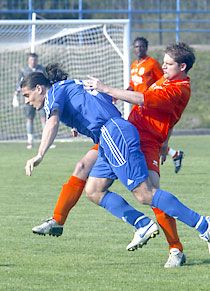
119	154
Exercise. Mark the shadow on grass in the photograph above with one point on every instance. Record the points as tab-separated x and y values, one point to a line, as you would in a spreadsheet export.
7	265
196	263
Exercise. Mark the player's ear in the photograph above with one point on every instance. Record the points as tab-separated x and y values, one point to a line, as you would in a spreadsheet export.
183	67
39	88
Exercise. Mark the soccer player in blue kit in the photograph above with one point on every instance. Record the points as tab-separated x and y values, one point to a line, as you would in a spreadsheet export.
94	115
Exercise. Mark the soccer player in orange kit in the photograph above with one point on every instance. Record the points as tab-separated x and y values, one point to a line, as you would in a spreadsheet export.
162	107
145	71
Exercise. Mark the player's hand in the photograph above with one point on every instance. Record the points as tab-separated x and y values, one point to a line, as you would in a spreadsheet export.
163	153
114	100
163	158
15	101
74	132
93	83
30	164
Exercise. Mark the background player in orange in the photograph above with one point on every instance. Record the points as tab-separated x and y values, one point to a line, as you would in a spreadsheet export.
145	71
151	141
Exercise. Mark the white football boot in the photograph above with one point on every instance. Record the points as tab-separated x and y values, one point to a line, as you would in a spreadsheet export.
176	259
50	226
142	235
206	235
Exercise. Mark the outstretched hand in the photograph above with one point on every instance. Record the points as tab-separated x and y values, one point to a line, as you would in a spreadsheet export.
93	83
74	132
30	164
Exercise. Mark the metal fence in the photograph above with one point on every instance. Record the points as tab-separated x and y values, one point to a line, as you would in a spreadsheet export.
161	21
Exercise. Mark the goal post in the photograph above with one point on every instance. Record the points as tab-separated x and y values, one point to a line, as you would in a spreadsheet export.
100	48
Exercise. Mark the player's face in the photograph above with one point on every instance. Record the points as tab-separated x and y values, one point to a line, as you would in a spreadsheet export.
32	62
140	49
171	69
34	97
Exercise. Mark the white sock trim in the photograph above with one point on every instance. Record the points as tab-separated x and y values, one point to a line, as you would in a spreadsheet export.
139	218
30	137
172	152
199	222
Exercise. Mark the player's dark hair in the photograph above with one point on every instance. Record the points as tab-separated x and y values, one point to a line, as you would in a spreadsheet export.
53	73
33	79
142	39
181	53
33	55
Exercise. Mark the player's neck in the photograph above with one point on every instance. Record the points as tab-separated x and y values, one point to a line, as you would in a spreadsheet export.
178	77
32	68
140	59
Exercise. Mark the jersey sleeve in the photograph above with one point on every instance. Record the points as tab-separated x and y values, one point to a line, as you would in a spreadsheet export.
165	99
55	101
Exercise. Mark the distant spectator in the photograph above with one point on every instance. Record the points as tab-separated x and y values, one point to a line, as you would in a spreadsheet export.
30	111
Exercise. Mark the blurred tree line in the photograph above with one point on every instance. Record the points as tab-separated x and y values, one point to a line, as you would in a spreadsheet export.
69	9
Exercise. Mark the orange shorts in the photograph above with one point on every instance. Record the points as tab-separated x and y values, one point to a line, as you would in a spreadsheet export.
151	153
152	156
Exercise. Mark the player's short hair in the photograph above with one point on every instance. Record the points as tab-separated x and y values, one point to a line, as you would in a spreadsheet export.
181	53
142	39
33	55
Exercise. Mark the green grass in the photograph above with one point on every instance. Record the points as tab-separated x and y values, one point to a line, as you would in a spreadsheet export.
91	254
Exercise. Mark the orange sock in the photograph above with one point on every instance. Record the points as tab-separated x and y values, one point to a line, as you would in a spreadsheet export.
69	195
168	225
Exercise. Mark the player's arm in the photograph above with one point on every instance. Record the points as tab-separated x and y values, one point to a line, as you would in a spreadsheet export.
164	148
48	135
15	99
120	94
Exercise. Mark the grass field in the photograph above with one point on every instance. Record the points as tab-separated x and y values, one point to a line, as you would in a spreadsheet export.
91	254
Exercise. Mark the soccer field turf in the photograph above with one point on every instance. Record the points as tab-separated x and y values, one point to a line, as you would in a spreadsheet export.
91	254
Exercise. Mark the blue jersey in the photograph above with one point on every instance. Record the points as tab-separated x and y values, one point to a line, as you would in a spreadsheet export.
87	111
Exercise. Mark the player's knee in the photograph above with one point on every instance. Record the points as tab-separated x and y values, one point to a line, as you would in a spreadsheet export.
92	194
81	170
144	193
140	196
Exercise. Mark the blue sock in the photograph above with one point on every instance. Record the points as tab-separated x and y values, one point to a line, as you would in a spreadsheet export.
173	207
120	208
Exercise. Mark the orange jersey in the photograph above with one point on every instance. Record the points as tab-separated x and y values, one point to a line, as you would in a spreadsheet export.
164	103
144	73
